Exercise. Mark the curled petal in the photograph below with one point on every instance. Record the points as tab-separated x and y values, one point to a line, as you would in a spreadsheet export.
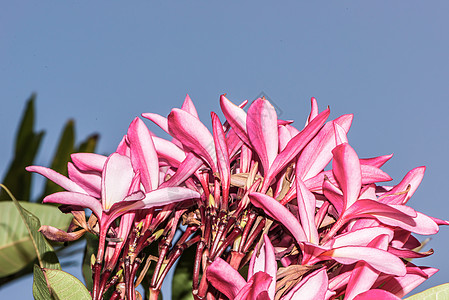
193	134
88	161
89	181
410	182
58	235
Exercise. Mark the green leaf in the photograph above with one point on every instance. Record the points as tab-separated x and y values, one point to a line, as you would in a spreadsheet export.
40	288
89	144
91	248
66	286
61	157
183	277
27	124
20	241
438	292
27	144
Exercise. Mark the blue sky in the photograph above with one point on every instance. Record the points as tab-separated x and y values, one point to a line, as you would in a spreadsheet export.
104	63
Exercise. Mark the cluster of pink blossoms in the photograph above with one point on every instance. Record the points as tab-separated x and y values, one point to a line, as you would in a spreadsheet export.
253	193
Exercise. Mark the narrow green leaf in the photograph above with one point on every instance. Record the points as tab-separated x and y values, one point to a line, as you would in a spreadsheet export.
23	236
89	144
27	124
60	158
438	292
40	288
183	277
66	286
27	144
91	248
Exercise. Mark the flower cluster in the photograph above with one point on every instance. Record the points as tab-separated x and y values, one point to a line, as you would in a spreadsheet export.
252	193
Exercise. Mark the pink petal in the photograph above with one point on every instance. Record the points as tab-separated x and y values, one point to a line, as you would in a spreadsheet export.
88	161
123	147
57	178
234	142
363	275
318	153
168	151
262	129
401	286
222	156
158	120
314	287
265	262
293	147
168	195
78	199
313	110
284	137
334	195
376	161
380	260
412	178
116	181
306	209
189	107
143	154
89	181
193	135
360	237
401	216
189	166
236	117
256	288
347	172
376	295
224	278
370	174
155	198
277	211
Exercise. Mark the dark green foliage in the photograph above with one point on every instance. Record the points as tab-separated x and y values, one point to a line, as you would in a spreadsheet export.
183	277
91	248
17	179
27	145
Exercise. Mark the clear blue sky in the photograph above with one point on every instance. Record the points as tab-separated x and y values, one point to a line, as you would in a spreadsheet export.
104	63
